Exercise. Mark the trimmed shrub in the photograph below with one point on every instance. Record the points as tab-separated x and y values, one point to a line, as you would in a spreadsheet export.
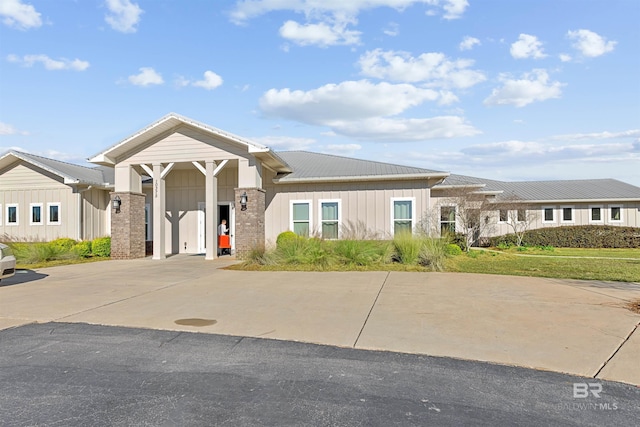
64	243
285	238
578	236
82	249
101	247
452	249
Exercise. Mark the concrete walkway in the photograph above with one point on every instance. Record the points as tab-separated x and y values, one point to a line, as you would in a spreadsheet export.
576	327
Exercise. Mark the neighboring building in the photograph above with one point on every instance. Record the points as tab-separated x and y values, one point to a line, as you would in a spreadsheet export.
178	178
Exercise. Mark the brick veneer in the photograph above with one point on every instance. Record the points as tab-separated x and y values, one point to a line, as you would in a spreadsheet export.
127	227
249	223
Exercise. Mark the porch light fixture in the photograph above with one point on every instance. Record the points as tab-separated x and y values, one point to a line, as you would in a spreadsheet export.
116	203
243	201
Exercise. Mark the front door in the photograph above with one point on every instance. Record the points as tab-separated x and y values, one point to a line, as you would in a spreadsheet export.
226	210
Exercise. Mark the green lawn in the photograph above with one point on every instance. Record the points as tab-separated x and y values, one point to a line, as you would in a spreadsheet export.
560	266
600	253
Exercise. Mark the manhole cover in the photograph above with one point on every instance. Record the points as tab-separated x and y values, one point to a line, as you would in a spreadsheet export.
196	322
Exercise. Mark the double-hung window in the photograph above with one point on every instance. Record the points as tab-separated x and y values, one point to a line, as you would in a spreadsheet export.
12	214
548	214
567	214
53	213
447	220
595	214
403	214
503	215
301	217
615	213
36	214
329	218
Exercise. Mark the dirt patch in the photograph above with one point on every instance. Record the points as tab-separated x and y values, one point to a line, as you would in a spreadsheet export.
196	322
634	306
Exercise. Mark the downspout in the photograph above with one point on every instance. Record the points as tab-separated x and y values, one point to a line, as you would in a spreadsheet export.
80	218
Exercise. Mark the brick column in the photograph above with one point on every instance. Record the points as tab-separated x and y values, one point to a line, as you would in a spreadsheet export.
250	222
127	226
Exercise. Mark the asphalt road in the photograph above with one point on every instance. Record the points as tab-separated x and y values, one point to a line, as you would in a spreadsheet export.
60	374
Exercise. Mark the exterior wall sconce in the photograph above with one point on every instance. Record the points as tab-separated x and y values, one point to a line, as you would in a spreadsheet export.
116	203
243	201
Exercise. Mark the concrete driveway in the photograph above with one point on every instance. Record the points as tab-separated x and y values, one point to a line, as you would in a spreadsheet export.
576	327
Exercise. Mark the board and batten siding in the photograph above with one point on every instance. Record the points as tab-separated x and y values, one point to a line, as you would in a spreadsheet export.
361	201
184	189
185	145
23	184
95	217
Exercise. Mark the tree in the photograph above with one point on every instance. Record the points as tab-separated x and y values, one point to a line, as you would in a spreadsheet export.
517	214
464	210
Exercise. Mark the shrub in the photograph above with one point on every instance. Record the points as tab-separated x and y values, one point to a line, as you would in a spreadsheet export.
360	252
64	244
101	247
453	249
579	236
285	238
82	249
407	248
434	252
32	253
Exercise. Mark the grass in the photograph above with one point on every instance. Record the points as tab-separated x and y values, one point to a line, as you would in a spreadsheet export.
574	252
559	267
56	262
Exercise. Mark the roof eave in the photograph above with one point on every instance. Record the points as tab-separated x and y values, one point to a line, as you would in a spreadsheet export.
555	201
399	177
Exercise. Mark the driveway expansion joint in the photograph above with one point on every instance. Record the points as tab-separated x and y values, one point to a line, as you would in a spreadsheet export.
384	282
635	328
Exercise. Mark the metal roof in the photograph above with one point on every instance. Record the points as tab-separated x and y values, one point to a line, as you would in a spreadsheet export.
109	156
70	173
550	191
309	167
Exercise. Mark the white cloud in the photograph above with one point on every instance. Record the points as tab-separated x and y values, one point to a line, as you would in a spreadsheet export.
49	63
454	8
124	15
341	149
468	43
634	133
210	82
590	44
527	46
147	76
403	130
19	15
532	87
7	129
322	34
350	100
285	143
564	57
434	69
392	29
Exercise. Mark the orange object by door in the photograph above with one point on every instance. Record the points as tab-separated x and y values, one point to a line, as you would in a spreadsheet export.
223	242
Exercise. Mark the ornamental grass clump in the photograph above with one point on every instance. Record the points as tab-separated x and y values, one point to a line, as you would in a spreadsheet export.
361	252
407	248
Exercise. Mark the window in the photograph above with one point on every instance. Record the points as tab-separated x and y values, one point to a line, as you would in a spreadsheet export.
12	214
36	214
522	215
53	212
301	217
615	213
548	215
567	214
329	218
147	223
403	215
595	214
504	215
447	219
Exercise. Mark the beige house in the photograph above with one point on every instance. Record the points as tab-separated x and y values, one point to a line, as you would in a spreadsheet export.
164	190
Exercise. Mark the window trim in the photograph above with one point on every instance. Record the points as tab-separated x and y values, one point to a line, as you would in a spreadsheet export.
36	205
12	205
573	214
596	221
615	221
455	216
392	212
553	213
321	221
310	203
59	221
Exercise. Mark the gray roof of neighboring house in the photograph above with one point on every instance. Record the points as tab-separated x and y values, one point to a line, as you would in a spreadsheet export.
308	166
71	173
560	190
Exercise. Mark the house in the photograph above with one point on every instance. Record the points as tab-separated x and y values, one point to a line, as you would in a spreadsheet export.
170	183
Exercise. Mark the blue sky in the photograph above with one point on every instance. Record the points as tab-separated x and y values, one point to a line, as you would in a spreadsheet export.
502	89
